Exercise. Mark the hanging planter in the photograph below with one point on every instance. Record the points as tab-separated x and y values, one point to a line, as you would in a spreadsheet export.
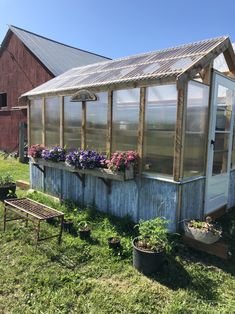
202	231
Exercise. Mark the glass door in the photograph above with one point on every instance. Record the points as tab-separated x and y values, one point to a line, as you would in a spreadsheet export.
219	142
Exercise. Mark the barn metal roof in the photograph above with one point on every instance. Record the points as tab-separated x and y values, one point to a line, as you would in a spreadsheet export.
167	63
56	56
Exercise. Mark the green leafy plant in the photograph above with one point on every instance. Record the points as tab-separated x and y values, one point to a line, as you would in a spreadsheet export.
83	225
153	234
6	179
206	226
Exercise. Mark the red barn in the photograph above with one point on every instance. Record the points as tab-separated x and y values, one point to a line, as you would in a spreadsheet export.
26	61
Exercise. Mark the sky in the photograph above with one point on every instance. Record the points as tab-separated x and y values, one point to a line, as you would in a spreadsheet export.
120	28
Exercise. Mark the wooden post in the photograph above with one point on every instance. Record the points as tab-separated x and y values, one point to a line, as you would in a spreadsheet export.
109	123
29	124
230	59
62	121
43	121
83	130
140	141
206	74
180	133
21	141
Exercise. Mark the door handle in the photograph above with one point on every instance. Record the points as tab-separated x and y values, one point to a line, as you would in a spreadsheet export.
212	142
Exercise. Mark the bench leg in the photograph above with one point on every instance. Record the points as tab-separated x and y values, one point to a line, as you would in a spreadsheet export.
5	218
26	221
37	233
61	229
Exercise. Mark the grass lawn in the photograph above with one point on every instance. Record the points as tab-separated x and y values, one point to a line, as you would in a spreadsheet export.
87	277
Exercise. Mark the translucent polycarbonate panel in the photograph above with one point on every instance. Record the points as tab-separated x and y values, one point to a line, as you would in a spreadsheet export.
159	135
72	123
169	63
52	121
126	105
196	129
36	121
96	123
222	129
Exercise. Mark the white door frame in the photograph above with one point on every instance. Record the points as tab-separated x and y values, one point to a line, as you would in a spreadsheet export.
217	185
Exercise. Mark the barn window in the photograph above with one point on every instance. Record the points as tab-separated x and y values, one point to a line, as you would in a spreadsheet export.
3	100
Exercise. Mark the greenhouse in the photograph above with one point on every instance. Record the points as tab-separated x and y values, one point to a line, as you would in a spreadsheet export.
173	107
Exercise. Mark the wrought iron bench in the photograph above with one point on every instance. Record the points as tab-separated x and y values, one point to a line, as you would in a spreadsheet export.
31	210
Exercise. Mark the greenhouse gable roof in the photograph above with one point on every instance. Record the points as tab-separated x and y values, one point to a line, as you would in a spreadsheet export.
176	63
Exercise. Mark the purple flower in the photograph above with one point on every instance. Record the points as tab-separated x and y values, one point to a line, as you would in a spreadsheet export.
85	159
56	154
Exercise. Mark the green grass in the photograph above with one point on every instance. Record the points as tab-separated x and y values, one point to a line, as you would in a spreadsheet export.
18	170
87	277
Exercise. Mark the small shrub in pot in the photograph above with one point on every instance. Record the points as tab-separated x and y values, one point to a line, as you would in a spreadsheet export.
7	186
150	246
84	230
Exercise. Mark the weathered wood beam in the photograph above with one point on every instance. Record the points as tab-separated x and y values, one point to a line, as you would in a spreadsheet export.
43	121
203	62
206	74
230	59
62	121
29	124
122	85
180	134
109	123
83	129
140	141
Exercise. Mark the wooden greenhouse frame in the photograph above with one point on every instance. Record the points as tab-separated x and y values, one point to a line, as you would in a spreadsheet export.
200	69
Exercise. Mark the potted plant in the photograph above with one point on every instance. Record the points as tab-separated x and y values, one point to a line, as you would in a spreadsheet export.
56	154
150	246
123	162
114	242
203	231
85	159
68	224
84	230
7	186
35	151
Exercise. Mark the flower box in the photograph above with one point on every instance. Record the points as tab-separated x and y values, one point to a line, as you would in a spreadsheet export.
97	172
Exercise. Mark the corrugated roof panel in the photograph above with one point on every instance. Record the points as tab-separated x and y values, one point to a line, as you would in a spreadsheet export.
57	57
165	63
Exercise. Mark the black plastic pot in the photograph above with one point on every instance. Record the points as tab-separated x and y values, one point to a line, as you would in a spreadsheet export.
5	190
68	226
114	243
85	234
147	262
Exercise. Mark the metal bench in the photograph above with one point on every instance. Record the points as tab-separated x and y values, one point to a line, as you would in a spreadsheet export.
31	210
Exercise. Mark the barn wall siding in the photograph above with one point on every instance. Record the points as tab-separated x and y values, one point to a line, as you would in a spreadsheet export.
9	128
20	71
